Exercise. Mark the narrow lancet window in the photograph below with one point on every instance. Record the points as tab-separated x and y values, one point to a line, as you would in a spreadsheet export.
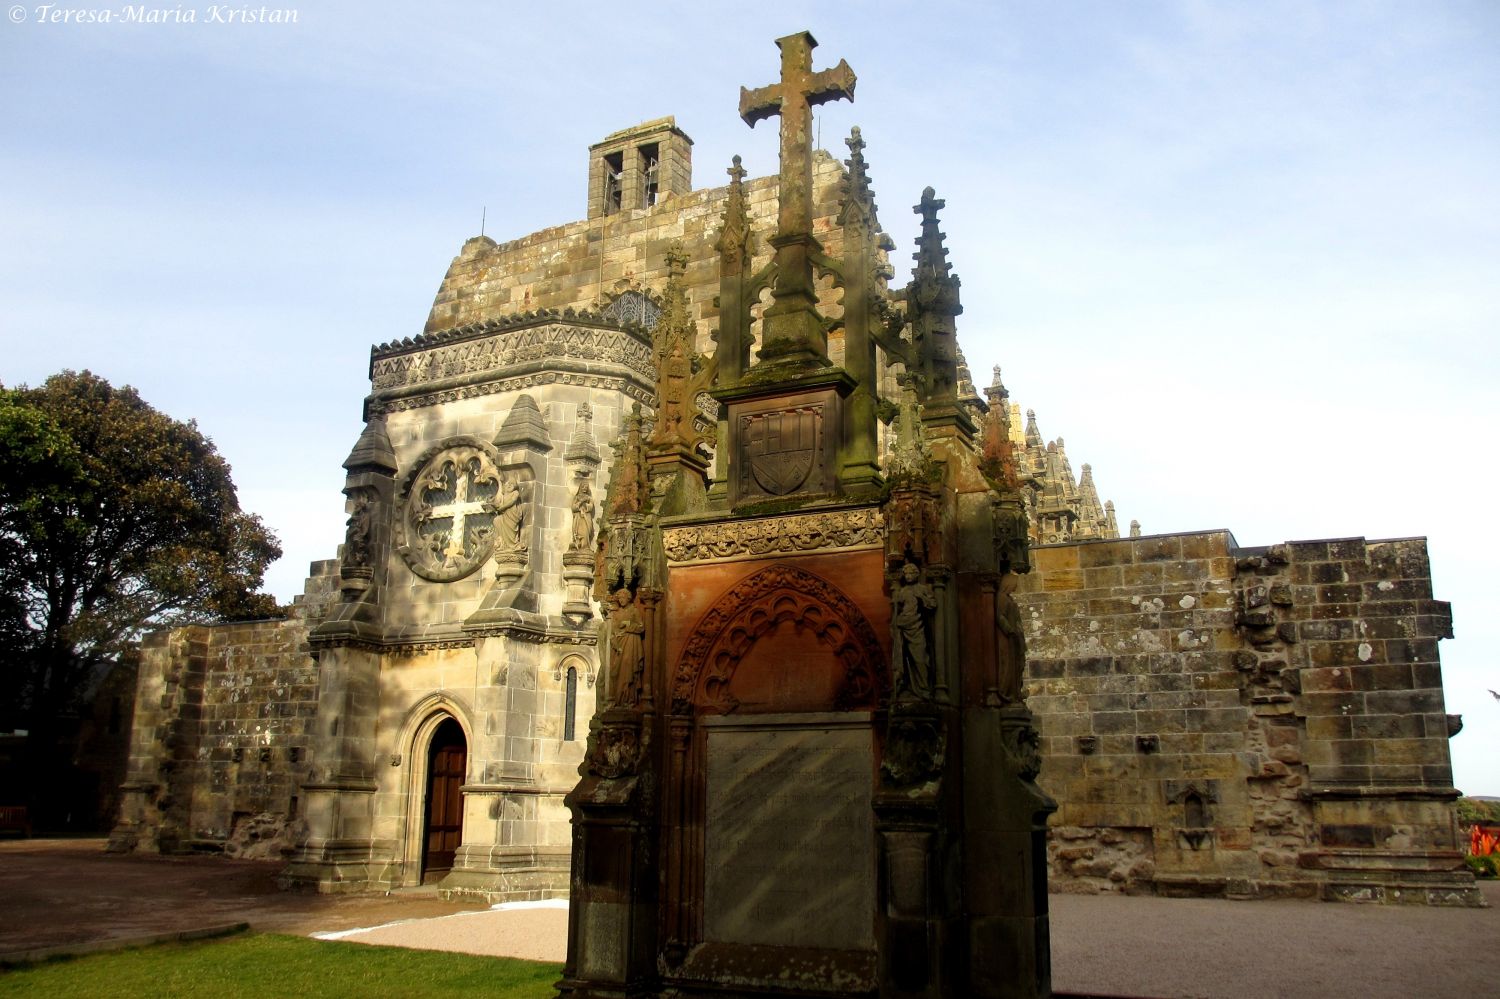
570	704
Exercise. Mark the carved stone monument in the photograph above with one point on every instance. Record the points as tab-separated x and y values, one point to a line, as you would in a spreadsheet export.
814	773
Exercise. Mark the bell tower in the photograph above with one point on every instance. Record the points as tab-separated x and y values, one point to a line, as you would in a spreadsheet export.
639	166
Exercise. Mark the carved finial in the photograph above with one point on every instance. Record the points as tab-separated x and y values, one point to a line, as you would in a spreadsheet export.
581	447
733	243
627	482
931	255
997	393
932	304
680	377
858	197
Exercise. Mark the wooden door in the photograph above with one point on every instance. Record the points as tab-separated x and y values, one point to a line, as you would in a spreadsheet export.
446	764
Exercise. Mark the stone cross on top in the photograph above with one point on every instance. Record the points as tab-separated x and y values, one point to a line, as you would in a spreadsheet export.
794	331
793	99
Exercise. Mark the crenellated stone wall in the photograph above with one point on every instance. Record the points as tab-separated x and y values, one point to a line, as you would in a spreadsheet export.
1246	722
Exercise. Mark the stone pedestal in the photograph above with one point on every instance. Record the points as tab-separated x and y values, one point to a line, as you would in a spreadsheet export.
612	915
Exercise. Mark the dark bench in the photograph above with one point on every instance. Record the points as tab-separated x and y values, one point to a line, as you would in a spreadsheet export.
13	818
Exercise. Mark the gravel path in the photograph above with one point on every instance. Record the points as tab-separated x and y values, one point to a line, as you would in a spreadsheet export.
536	931
1164	947
71	893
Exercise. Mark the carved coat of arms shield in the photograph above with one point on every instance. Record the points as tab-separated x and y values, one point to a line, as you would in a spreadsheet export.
781	448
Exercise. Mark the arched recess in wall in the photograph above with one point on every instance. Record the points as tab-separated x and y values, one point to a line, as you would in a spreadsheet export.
572	671
417	730
782	616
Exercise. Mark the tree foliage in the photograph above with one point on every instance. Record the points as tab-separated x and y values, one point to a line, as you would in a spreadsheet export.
113	518
1484	811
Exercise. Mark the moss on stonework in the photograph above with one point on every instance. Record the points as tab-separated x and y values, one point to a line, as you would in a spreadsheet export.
771	508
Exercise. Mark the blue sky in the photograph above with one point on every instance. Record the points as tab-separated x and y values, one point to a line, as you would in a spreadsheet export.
1243	257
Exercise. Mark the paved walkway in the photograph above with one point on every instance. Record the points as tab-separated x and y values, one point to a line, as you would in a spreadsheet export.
69	892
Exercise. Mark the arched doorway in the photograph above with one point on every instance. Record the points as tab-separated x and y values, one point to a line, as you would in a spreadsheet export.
447	764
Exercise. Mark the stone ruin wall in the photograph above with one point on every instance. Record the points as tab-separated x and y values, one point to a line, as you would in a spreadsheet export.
1226	721
224	722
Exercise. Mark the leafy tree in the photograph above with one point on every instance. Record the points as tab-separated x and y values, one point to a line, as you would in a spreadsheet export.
114	518
1484	811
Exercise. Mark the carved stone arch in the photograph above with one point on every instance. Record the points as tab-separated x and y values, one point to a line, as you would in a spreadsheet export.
756	607
579	661
417	729
425	715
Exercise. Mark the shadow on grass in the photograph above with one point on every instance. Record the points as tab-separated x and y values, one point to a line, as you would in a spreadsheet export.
271	965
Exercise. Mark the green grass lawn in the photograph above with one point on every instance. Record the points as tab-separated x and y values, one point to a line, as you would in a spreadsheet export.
263	966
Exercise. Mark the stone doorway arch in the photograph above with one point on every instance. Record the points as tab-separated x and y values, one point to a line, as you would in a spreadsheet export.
419	736
443	802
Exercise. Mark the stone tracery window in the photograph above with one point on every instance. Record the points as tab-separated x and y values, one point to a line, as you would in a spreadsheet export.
633	307
451	506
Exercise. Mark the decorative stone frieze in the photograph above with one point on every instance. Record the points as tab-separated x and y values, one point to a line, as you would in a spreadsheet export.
489	352
839	530
625	386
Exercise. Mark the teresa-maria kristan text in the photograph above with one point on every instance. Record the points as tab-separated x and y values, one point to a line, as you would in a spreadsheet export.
142	14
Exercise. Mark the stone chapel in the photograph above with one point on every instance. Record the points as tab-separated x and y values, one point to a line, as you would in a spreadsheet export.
1211	719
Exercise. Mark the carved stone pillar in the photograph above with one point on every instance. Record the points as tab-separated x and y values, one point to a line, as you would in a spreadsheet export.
1005	855
338	792
918	920
521	444
612	915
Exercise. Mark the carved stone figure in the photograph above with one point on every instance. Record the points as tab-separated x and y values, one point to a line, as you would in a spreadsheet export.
673	388
911	661
627	650
583	518
357	536
1011	647
513	506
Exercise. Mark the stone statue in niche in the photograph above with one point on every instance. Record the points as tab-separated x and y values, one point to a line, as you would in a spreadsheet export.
357	536
627	650
583	518
1011	645
512	508
912	603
